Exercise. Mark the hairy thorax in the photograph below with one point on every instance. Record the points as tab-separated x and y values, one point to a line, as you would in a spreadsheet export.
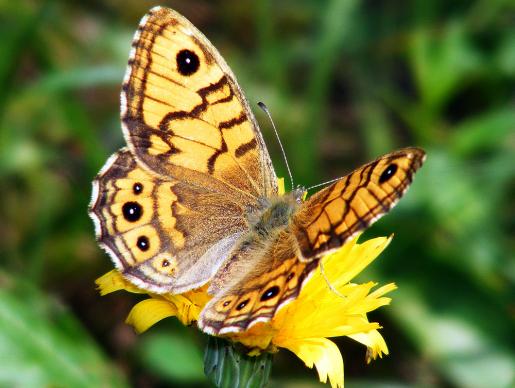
274	214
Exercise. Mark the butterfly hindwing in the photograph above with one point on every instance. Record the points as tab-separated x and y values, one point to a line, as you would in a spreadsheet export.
162	234
273	277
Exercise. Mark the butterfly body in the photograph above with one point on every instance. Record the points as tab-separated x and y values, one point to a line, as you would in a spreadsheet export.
194	198
275	214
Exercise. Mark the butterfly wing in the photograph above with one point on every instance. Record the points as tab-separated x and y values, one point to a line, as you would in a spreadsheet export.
162	234
196	149
331	217
183	113
244	298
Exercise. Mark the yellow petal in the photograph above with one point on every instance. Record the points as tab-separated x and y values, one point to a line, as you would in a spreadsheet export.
190	304
375	343
324	313
383	290
280	186
148	312
322	353
344	264
187	311
353	325
328	306
114	281
258	336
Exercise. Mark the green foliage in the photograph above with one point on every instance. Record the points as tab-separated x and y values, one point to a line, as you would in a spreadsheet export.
346	80
172	356
43	344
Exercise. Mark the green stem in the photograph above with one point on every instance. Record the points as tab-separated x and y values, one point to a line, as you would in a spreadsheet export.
227	365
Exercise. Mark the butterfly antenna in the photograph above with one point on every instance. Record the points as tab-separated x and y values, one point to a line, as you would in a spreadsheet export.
265	109
324	183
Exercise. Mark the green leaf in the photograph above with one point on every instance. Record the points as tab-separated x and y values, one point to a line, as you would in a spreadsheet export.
336	28
41	343
485	131
87	77
172	356
505	59
464	353
443	62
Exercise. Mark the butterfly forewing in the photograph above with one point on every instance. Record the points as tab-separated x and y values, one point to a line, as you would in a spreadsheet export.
194	147
335	214
183	112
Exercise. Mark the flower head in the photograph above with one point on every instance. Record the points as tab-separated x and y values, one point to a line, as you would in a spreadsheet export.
329	305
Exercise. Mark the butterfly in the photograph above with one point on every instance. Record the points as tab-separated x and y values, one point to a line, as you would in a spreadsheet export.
194	199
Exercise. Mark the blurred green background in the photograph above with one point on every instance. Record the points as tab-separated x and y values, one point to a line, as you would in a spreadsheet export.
346	80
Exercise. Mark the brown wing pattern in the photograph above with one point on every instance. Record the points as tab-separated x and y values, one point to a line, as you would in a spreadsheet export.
162	234
249	297
335	214
183	112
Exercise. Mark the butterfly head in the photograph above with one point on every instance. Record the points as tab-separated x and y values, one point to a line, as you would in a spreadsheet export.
299	193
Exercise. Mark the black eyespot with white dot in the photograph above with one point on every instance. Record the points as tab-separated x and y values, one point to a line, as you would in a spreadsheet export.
187	62
387	174
132	211
165	263
142	243
270	293
226	303
242	304
137	188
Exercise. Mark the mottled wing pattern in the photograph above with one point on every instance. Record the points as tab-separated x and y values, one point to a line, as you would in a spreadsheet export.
335	214
272	278
183	113
164	235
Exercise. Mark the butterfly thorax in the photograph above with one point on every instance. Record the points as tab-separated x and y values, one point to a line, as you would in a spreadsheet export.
274	213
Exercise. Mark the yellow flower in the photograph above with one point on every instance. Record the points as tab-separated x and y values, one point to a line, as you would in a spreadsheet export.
186	307
329	305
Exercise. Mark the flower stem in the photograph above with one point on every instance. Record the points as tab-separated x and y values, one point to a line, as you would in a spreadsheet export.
227	365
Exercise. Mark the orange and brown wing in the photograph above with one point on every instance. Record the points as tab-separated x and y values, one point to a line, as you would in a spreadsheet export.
329	218
183	113
162	234
257	284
